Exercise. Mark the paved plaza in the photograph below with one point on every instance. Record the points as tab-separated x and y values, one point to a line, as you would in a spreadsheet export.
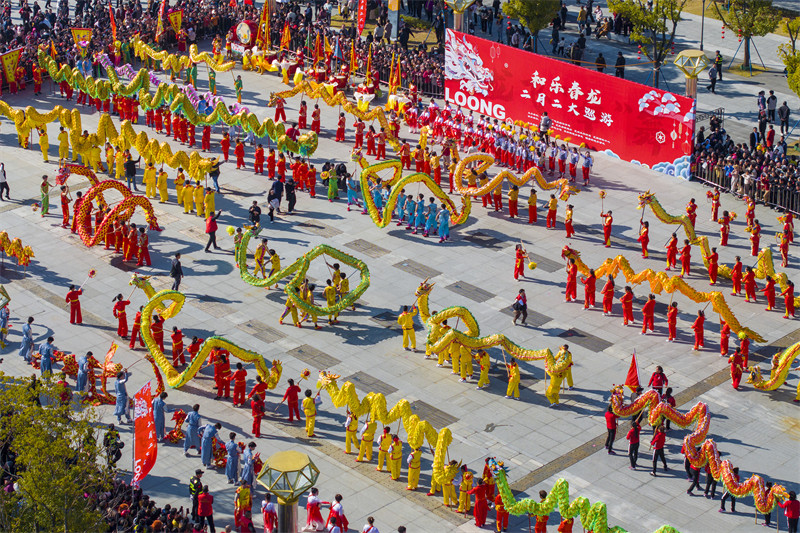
757	431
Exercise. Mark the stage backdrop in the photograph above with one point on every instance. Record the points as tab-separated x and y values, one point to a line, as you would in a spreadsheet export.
622	118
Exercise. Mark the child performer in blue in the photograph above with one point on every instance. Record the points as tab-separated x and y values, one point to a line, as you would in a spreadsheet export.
430	222
420	222
410	207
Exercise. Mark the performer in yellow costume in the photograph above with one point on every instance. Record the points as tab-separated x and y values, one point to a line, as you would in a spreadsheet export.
161	183
448	490
291	308
464	500
384	441
367	438
44	143
119	160
513	379
188	196
149	180
483	359
395	457
199	199
63	146
414	463
210	201
351	432
466	363
406	321
330	298
310	410
180	179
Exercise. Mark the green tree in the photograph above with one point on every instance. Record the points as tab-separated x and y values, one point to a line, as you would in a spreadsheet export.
791	58
793	29
535	15
57	460
750	18
654	29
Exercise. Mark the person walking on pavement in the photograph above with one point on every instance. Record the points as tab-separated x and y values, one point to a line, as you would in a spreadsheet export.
176	272
195	488
211	230
712	79
772	104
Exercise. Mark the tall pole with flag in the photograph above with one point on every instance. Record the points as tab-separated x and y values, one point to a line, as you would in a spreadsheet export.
632	379
262	37
145	445
286	38
112	21
362	15
353	61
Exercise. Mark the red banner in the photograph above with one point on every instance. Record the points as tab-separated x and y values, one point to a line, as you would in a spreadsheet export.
623	118
362	15
145	448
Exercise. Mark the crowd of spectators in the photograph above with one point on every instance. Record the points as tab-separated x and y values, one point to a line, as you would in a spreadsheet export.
205	19
759	168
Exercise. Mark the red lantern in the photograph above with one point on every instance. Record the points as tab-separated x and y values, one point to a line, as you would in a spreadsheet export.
723	31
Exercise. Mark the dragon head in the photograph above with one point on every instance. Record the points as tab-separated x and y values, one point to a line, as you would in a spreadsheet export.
424	289
139	281
569	253
356	155
644	199
326	378
755	374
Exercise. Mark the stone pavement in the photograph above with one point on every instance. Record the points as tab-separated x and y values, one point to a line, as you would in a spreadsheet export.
757	431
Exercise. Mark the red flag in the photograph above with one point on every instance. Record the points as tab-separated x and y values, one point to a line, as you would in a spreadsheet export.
362	15
632	379
113	22
145	447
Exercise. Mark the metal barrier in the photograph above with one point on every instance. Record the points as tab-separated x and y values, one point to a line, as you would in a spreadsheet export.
702	116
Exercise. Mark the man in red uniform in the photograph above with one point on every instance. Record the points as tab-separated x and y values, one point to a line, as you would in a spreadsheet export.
280	112
177	347
74	305
686	258
691	211
143	251
381	152
502	515
257	410
137	324
713	266
222	373
697	326
315	121
132	243
65	206
572	281
225	144
672	321
157	331
239	379
359	126
736	276
750	286
259	388
75	206
405	155
648	312
291	397
258	163
672	251
755	238
205	140
627	306
239	152
589	284
607	221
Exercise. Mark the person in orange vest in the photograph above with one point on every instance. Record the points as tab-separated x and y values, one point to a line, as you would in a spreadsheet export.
119	314
75	305
608	220
239	379
258	162
135	334
225	144
239	152
177	347
697	326
157	331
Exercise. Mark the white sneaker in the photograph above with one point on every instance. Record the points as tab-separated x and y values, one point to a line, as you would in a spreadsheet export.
439	366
